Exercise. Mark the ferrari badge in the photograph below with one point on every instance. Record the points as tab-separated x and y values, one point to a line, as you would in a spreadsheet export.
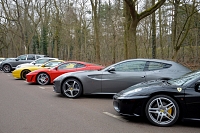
179	89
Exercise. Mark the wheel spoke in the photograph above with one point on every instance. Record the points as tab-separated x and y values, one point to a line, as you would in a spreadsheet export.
68	85
66	90
169	106
153	110
74	84
169	116
159	117
159	102
71	93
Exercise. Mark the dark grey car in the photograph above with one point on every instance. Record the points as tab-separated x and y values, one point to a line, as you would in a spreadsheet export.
6	60
117	77
9	65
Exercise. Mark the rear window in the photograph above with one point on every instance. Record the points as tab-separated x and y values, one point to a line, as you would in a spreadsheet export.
157	66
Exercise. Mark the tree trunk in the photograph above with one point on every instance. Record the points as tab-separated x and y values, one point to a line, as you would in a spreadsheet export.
153	33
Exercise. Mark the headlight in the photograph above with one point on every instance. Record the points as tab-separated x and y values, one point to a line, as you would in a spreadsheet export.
131	92
18	66
136	90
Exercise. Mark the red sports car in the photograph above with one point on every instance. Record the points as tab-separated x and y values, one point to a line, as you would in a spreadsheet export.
46	76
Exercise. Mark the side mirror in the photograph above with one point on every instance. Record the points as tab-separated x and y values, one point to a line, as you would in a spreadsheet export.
17	59
42	66
55	68
111	69
34	63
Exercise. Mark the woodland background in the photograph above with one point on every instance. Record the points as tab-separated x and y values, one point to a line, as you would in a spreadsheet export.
102	31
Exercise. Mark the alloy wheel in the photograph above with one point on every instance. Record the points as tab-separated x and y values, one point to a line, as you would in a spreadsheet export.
7	68
72	88
43	79
162	110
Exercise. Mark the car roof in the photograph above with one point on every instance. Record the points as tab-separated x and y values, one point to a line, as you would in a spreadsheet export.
156	60
47	58
82	62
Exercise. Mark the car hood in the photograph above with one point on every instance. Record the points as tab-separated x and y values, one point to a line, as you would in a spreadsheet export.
40	69
143	88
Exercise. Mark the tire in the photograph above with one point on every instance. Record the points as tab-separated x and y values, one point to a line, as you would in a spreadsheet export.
43	79
23	73
7	68
72	88
162	110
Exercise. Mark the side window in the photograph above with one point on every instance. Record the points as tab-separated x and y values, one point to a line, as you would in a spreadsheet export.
41	61
166	65
37	56
67	66
157	66
52	63
78	65
22	57
31	57
131	66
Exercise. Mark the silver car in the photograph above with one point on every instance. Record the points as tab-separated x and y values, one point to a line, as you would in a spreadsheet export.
117	77
37	62
8	65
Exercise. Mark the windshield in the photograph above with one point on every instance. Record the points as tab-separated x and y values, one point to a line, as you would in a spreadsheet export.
185	79
52	63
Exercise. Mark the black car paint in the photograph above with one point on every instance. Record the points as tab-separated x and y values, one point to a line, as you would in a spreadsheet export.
188	98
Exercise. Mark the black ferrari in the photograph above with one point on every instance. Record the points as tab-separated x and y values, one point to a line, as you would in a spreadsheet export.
162	102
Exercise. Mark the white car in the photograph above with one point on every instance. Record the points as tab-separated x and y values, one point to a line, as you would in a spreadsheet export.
37	62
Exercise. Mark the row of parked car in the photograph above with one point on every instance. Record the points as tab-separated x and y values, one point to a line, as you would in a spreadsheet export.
161	90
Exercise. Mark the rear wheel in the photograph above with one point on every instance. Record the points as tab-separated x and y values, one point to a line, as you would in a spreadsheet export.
7	68
72	88
43	79
23	73
162	110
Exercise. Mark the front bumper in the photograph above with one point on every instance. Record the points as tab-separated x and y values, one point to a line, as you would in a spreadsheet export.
31	78
16	75
57	86
129	106
0	67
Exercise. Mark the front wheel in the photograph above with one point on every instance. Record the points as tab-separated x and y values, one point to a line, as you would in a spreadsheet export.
162	110
72	88
7	68
23	73
43	79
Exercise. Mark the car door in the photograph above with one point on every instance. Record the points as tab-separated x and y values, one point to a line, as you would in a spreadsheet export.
63	68
125	75
30	58
20	60
192	100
